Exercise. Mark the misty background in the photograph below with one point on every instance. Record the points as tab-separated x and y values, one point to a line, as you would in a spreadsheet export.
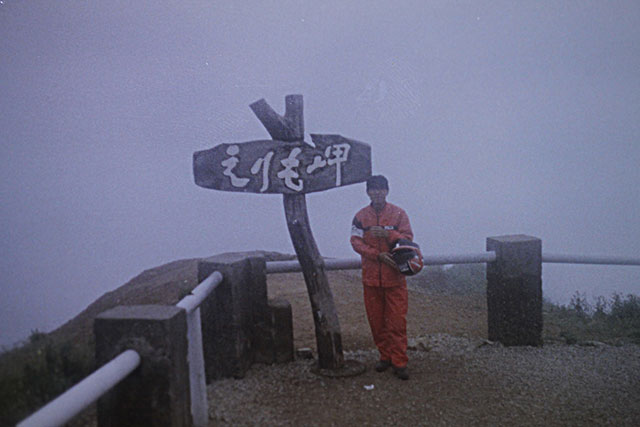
488	117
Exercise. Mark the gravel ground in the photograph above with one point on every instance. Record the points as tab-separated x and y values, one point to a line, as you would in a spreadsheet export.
455	382
457	376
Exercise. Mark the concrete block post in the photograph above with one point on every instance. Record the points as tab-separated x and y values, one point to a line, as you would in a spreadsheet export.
157	392
231	313
514	290
281	330
274	339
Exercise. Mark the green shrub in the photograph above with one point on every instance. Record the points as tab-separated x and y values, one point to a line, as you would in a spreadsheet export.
39	372
580	305
37	336
615	321
626	309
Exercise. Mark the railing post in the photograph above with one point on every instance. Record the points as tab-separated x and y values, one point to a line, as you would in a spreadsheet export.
239	324
157	392
197	380
230	313
514	290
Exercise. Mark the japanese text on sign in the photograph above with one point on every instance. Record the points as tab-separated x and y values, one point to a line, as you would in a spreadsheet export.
289	168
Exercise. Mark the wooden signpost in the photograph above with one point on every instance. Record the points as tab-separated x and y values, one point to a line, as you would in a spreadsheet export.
288	165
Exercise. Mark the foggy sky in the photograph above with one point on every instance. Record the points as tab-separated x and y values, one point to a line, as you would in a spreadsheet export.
488	117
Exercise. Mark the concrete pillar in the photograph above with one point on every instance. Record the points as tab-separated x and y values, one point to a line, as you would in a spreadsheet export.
274	340
514	290
281	330
157	392
231	313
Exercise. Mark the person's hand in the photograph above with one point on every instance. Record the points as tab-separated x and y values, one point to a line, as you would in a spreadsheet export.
379	232
386	258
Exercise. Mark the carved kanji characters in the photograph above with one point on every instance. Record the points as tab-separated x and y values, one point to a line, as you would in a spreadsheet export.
230	164
340	154
264	163
318	163
289	174
333	155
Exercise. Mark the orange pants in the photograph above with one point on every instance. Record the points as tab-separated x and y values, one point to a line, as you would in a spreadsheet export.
387	314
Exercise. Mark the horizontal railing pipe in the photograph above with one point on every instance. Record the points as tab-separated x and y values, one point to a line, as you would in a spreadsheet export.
200	292
283	267
80	396
343	264
355	263
482	257
587	259
329	264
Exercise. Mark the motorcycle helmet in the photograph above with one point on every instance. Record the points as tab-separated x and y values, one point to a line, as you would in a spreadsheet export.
408	257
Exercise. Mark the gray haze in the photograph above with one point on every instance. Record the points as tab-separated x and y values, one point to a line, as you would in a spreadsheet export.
488	117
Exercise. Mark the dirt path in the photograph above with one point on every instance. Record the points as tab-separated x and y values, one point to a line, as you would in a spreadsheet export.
428	313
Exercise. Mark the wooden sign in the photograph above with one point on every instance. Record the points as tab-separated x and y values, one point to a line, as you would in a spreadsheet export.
286	164
272	166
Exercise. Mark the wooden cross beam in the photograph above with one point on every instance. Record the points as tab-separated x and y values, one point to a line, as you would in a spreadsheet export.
289	128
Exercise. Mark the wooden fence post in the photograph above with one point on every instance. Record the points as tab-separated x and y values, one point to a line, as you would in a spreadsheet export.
514	290
157	392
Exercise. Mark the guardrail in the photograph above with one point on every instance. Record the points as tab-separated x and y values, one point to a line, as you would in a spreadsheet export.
470	258
197	382
514	295
89	390
514	282
355	263
589	259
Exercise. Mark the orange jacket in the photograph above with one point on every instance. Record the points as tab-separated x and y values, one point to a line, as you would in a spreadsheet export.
396	222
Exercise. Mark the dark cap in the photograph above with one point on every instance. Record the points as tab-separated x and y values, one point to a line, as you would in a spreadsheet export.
377	182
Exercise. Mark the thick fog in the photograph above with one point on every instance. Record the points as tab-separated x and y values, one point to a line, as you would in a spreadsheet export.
488	117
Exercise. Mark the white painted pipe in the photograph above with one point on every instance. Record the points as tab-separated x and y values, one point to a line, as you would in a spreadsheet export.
73	401
476	258
586	259
355	263
198	387
343	264
199	403
200	292
283	267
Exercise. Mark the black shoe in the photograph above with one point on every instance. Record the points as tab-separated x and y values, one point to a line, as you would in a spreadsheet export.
402	373
382	365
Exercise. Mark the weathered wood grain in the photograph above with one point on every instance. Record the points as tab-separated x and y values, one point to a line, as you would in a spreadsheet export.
260	166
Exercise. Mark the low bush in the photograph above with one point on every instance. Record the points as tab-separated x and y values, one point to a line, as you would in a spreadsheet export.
37	373
613	321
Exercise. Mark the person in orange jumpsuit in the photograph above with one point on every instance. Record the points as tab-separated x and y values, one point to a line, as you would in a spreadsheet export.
374	231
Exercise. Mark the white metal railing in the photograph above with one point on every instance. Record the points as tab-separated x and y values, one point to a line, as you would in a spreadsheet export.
80	396
355	263
482	257
73	401
586	259
87	391
197	381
